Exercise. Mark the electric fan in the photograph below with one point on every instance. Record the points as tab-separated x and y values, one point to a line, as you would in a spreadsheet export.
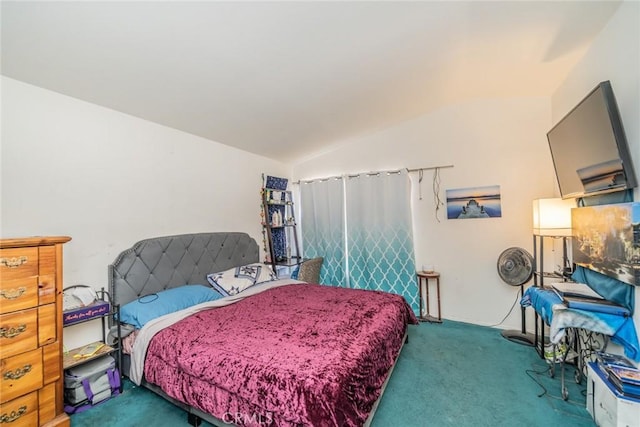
515	267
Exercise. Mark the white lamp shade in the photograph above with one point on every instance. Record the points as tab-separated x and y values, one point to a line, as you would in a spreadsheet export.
552	217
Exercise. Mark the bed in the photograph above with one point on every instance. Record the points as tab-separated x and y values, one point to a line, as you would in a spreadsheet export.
282	352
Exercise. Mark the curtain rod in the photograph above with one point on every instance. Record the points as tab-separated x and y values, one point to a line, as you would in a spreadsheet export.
429	168
373	173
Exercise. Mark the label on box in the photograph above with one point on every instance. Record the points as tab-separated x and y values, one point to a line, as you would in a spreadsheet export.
98	308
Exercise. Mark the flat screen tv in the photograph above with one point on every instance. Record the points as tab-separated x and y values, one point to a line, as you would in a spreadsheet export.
589	147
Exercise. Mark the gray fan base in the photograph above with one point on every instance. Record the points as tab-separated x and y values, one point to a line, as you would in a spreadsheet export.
519	337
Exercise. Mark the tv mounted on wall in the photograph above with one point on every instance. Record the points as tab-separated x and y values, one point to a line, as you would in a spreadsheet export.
589	147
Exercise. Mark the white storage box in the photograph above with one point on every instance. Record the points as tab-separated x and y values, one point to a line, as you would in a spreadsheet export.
606	405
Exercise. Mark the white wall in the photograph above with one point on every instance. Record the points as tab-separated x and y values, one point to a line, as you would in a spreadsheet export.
614	56
491	141
108	180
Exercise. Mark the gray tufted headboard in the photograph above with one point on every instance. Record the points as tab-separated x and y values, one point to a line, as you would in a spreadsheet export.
160	263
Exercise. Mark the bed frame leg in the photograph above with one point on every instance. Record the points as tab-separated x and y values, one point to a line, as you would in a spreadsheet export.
194	420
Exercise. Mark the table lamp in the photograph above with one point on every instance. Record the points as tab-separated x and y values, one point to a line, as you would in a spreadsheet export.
552	217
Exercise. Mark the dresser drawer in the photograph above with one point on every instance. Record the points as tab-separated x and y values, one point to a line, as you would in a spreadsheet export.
18	294
18	332
21	412
20	374
18	263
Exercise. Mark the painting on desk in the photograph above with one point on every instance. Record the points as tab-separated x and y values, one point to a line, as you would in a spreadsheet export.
607	239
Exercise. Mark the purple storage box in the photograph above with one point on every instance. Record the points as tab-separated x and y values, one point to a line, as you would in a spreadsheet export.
98	308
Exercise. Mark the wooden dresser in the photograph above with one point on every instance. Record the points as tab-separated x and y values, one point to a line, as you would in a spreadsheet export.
31	381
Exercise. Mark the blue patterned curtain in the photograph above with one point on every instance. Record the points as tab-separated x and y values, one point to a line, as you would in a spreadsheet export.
367	243
322	225
380	234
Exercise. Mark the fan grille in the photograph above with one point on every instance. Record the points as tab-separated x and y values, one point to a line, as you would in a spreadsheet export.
515	266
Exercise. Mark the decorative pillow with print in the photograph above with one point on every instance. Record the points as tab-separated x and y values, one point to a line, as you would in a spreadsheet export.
238	279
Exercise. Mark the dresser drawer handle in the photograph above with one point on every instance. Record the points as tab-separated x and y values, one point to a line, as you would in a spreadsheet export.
18	373
13	293
12	332
14	262
13	415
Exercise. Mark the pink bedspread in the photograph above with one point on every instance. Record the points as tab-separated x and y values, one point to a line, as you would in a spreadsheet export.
294	355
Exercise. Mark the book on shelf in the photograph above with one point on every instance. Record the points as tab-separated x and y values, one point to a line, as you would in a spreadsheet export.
604	359
626	374
625	379
84	353
625	389
88	350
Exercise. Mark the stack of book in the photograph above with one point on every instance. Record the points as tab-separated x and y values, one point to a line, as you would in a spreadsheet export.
625	379
621	374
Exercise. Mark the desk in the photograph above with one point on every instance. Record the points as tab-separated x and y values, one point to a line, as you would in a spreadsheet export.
424	277
562	320
559	318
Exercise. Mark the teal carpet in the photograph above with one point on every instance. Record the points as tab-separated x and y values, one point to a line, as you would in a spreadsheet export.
453	374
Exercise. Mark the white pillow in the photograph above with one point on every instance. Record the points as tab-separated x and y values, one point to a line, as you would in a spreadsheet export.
238	279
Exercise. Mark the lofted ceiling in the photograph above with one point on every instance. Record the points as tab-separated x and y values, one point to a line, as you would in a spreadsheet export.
290	79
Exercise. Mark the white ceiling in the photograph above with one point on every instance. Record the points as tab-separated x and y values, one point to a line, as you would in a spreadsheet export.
290	79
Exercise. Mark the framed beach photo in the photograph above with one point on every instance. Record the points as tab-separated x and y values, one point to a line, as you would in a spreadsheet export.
474	202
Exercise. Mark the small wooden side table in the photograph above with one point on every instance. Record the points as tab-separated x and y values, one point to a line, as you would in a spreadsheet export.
424	277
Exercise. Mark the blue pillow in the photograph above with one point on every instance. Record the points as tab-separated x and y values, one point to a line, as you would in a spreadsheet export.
148	307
